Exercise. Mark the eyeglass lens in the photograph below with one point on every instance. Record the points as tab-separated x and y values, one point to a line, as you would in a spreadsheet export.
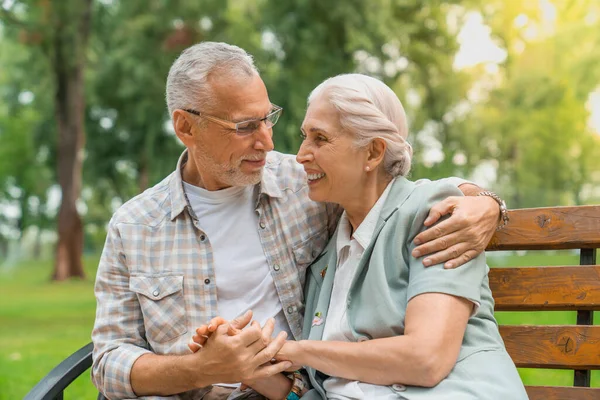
248	127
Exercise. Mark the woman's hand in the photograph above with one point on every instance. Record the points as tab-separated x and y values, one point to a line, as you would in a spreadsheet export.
290	352
274	386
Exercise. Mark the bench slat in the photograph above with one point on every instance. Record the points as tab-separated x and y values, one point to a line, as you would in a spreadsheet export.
562	393
546	288
549	228
553	346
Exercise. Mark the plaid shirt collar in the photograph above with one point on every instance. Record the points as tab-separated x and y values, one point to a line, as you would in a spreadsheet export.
179	201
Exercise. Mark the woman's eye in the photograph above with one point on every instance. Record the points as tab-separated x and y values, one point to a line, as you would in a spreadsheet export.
321	138
302	135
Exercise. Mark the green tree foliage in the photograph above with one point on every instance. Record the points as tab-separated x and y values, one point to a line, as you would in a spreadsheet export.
27	137
534	124
408	44
525	120
57	33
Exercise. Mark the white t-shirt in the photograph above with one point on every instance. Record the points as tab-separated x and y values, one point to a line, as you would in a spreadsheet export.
243	280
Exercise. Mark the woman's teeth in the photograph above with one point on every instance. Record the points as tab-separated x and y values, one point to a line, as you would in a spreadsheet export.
313	177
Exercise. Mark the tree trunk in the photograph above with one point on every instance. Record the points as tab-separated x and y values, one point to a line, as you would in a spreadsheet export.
68	65
69	115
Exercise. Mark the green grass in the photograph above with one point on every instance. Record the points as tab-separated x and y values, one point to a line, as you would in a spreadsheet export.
41	323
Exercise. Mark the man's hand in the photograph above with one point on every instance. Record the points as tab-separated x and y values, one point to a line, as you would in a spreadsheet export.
461	237
203	332
243	357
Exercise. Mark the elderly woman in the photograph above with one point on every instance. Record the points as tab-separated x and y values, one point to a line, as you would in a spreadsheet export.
378	324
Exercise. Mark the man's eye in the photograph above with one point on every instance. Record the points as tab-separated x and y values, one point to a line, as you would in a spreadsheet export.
303	135
248	127
321	138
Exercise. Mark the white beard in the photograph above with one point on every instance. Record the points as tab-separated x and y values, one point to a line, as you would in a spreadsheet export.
228	174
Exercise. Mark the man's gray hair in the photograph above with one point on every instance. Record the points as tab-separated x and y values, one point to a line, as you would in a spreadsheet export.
187	83
369	109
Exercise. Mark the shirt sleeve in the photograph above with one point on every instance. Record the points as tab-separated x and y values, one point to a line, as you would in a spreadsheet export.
464	281
452	180
118	333
455	181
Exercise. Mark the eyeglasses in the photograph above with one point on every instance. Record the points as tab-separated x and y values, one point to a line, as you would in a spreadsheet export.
244	128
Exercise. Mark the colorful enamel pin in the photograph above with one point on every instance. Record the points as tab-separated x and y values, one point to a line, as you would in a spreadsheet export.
317	320
324	271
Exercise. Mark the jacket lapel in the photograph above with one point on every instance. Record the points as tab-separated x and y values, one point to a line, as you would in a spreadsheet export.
325	269
400	191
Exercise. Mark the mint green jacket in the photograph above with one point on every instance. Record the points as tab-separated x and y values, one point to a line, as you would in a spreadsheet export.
388	277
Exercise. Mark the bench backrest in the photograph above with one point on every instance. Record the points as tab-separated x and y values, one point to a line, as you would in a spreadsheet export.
572	288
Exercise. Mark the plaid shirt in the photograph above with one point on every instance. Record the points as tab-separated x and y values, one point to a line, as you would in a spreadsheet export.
156	278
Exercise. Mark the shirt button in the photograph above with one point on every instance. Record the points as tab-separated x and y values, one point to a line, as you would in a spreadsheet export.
291	309
362	339
262	225
276	267
207	281
202	238
155	293
396	387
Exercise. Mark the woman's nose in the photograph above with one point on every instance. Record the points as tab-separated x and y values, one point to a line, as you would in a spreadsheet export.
304	155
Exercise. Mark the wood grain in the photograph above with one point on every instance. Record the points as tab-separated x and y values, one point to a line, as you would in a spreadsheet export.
562	393
549	228
553	346
546	288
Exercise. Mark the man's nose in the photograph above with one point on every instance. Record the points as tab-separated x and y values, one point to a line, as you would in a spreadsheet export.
264	138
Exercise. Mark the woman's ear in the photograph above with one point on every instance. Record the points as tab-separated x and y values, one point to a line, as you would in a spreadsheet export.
376	153
183	127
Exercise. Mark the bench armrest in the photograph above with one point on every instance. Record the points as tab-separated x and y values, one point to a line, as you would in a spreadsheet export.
52	385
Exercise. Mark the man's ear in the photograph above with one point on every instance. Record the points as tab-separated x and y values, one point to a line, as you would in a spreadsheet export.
183	127
376	152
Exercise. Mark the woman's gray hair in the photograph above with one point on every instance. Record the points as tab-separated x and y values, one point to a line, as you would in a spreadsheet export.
187	83
369	109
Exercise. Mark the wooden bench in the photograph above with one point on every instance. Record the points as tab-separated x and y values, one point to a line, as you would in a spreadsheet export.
552	288
572	288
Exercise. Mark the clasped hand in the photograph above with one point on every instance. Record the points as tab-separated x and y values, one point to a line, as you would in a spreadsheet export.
246	349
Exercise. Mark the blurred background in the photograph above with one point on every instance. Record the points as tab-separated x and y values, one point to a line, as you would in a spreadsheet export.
503	92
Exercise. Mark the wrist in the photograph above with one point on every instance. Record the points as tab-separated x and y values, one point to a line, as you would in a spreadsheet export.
288	385
277	386
296	352
299	386
502	210
493	205
189	365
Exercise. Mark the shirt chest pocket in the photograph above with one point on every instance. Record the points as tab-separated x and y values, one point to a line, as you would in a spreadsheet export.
308	250
163	306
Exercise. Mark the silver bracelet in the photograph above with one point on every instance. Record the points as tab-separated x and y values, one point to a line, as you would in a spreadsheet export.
503	210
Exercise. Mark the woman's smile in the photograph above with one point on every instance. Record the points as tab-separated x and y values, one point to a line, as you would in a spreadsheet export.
314	177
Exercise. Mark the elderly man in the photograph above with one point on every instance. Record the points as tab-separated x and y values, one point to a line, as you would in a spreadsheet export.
230	230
